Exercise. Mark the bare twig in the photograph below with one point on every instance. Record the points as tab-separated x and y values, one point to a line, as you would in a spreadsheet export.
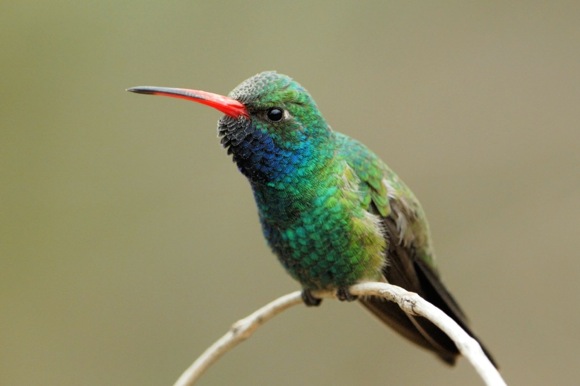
240	331
409	302
413	304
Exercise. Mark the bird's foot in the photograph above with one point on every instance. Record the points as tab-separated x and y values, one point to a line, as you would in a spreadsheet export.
309	299
343	294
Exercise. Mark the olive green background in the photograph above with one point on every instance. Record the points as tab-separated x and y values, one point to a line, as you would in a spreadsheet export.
129	242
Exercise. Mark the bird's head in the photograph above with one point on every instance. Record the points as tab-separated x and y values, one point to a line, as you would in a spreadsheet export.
272	126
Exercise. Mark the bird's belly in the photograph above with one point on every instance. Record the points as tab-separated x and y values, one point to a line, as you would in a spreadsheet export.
329	247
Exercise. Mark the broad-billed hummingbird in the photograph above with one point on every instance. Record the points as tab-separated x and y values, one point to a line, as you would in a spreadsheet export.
330	209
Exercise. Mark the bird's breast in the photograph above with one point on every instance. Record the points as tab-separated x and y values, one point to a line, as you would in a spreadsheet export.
323	235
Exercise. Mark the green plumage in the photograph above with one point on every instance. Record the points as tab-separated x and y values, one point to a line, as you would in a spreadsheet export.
322	206
330	234
331	210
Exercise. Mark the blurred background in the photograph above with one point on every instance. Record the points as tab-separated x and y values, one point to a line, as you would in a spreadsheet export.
129	242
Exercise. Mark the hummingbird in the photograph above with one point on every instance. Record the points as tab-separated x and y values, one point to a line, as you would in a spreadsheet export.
330	209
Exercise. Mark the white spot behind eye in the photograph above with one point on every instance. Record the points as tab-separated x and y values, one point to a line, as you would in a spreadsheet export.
277	114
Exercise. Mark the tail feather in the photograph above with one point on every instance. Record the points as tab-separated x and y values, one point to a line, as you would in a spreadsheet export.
408	271
415	329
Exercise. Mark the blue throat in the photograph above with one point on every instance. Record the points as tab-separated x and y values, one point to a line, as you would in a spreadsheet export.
259	157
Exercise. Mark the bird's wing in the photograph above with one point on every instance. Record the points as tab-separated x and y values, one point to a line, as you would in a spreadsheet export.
409	255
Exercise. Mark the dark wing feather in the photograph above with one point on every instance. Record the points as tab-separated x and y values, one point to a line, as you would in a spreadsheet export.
439	296
401	271
409	256
404	269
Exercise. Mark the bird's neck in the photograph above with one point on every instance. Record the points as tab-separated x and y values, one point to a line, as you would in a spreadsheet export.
292	172
285	199
282	164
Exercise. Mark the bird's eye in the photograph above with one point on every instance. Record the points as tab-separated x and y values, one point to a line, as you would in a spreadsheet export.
275	114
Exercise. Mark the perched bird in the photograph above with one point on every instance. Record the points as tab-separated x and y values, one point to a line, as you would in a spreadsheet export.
330	209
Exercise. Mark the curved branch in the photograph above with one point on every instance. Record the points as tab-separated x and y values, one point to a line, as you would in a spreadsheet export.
413	304
240	331
409	302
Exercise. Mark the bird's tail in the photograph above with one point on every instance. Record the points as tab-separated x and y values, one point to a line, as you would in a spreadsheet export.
418	330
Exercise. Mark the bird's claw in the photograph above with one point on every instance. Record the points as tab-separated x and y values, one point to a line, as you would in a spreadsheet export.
309	299
343	294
